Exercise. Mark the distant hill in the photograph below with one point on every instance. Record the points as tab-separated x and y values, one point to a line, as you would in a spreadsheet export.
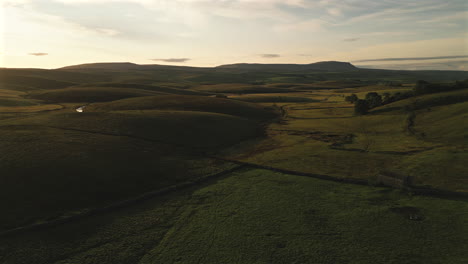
318	66
104	65
123	66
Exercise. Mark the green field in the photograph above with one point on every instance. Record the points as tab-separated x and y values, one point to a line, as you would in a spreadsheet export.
149	128
256	216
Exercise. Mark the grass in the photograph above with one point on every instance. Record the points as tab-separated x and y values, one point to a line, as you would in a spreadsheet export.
17	102
442	168
207	130
88	94
239	88
309	141
262	98
71	161
429	100
332	224
451	128
188	103
27	83
55	171
83	160
247	218
6	93
153	128
160	88
29	108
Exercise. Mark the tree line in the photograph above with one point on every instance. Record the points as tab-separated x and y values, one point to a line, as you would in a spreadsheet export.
373	99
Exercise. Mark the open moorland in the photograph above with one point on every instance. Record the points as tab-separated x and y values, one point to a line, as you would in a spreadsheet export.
243	163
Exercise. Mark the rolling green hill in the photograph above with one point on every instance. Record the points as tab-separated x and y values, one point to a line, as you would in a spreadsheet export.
88	94
187	103
72	161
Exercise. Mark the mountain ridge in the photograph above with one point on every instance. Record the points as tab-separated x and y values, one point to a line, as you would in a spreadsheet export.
320	66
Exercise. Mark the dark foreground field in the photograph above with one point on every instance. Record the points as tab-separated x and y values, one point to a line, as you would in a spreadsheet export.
199	165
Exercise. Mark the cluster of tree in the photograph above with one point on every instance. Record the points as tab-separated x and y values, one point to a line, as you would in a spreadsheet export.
391	83
373	99
362	106
423	87
390	98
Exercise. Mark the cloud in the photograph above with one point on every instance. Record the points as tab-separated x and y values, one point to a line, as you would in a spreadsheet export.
38	54
178	60
334	12
444	65
415	58
405	10
270	56
312	25
351	39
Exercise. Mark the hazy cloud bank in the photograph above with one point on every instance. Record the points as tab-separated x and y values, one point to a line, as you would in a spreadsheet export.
180	60
415	58
38	54
270	56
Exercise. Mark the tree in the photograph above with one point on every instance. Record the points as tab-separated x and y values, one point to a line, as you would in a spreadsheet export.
421	87
386	98
351	98
373	99
361	107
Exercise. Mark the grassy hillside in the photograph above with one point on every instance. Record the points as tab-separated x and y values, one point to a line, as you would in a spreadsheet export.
239	88
58	75
206	130
446	124
325	137
27	83
89	159
62	171
88	94
164	88
187	103
270	98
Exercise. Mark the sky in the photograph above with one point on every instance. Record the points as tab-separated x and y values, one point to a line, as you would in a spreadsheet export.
429	34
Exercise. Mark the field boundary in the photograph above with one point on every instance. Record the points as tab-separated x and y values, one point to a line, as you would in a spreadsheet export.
427	191
297	173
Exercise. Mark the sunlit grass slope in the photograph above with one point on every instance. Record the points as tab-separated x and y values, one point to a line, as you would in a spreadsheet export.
88	94
26	83
187	103
326	137
160	88
428	100
187	128
265	217
265	98
239	88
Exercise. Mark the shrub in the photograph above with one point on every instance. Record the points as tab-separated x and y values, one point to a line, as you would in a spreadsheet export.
373	99
361	107
351	98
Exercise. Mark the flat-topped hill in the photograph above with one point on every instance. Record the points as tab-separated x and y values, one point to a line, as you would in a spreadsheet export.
318	66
